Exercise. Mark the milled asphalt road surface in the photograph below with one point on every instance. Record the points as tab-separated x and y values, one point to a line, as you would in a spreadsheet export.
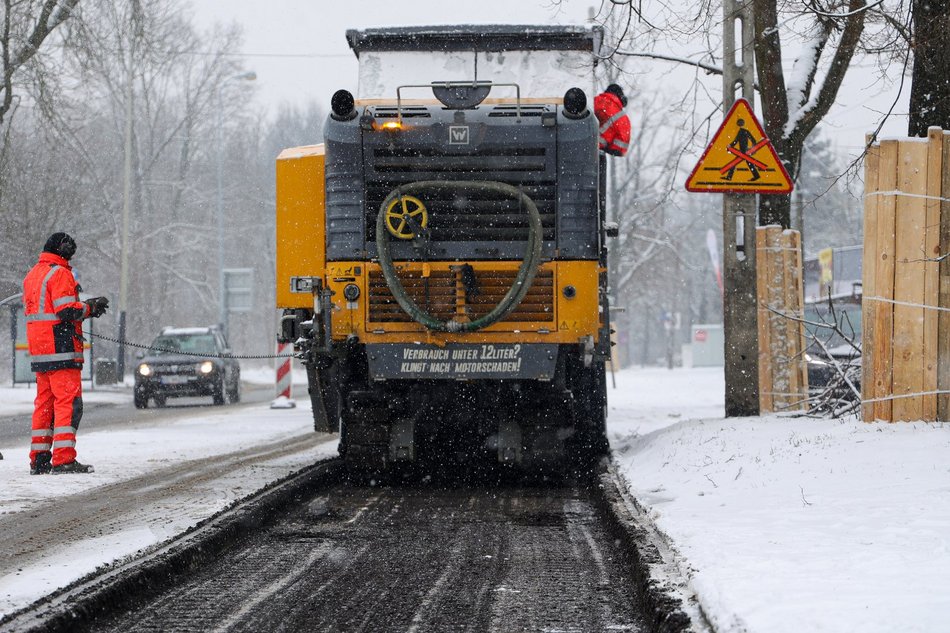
422	558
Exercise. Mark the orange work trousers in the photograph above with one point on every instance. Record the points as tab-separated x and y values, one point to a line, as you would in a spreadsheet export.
56	415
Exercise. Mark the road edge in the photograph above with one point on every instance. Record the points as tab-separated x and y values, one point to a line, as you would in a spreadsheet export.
669	602
123	584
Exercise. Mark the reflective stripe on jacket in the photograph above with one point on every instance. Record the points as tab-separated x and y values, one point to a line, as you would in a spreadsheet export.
614	124
54	315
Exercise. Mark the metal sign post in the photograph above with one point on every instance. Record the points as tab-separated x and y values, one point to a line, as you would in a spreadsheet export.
740	325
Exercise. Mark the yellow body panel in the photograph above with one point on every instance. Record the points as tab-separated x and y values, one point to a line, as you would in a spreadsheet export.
301	252
301	221
574	318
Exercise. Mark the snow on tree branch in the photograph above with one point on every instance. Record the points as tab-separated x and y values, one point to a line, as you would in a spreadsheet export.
712	70
25	28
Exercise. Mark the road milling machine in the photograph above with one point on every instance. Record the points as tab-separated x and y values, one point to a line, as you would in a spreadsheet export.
441	260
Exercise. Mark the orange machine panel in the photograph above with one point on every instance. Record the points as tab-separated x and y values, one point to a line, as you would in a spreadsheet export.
546	316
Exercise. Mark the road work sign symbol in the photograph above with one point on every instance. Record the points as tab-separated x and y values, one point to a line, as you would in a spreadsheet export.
740	159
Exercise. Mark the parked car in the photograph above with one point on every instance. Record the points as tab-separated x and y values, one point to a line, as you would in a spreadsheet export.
839	345
190	361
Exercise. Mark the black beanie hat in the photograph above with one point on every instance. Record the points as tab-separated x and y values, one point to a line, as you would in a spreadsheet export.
60	244
617	91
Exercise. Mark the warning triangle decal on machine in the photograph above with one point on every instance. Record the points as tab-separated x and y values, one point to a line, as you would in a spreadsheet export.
740	158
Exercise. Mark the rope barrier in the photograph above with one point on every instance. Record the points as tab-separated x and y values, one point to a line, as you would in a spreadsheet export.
181	353
938	392
907	194
905	303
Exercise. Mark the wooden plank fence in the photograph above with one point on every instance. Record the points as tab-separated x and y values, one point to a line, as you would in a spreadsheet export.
783	372
906	285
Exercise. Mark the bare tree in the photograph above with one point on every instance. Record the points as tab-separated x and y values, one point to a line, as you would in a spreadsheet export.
67	172
795	94
26	26
658	263
145	60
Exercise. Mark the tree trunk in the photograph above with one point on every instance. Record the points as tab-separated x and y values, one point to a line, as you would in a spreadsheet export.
776	209
930	88
773	209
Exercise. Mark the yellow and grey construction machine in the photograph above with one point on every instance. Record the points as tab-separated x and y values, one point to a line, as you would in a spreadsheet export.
441	259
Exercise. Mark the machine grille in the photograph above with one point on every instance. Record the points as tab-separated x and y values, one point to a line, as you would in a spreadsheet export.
437	296
460	218
408	112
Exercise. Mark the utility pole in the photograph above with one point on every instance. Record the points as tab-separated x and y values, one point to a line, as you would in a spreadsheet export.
798	215
126	190
219	196
740	327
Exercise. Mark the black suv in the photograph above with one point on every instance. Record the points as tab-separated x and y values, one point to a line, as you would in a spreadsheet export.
190	361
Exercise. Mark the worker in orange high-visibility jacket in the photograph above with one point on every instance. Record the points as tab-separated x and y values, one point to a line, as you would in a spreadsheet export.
54	316
614	124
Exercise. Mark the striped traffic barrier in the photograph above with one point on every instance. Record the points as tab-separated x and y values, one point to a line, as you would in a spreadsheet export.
284	380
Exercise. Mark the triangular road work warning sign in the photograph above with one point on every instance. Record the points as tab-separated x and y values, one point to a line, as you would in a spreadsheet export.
740	158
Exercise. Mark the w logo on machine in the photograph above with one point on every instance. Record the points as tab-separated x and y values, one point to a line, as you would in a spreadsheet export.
458	135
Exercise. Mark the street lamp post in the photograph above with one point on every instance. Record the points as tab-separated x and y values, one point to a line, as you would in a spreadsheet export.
219	198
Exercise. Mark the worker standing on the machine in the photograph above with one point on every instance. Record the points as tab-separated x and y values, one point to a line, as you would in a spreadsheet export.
614	124
54	316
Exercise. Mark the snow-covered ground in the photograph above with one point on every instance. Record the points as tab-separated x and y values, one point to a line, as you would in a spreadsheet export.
134	451
18	400
782	524
790	524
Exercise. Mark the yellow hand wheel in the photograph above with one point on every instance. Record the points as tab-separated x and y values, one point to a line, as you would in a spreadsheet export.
398	212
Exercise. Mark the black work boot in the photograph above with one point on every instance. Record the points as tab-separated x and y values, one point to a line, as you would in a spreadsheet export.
72	468
41	465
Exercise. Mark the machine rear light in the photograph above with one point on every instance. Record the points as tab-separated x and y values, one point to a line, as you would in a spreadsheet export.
342	105
575	104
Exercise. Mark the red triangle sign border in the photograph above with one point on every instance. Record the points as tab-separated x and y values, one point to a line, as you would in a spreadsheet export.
751	188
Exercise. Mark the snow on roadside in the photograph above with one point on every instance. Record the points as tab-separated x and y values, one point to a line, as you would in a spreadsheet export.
790	524
143	447
18	400
265	375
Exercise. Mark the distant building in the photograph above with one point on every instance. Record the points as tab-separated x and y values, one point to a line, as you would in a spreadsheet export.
835	270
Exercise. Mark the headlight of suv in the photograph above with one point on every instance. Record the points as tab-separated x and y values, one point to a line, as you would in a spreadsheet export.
815	361
145	370
206	367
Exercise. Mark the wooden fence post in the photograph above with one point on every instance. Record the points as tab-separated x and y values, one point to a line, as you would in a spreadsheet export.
872	161
906	329
783	373
943	291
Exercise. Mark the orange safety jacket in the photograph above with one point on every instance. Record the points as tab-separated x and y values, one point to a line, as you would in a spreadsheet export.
614	124
54	315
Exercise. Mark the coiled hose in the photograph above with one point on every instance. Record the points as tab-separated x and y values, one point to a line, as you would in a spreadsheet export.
523	280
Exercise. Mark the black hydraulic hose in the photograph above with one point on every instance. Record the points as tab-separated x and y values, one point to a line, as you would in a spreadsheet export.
523	280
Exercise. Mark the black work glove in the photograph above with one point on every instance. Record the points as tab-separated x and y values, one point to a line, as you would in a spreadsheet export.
97	306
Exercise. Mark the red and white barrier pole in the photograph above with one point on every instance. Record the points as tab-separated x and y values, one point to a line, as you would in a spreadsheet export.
284	381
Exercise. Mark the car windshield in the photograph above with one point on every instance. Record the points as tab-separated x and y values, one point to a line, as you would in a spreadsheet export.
185	343
848	316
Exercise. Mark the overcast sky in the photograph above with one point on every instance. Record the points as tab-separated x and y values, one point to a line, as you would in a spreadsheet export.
298	48
299	52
